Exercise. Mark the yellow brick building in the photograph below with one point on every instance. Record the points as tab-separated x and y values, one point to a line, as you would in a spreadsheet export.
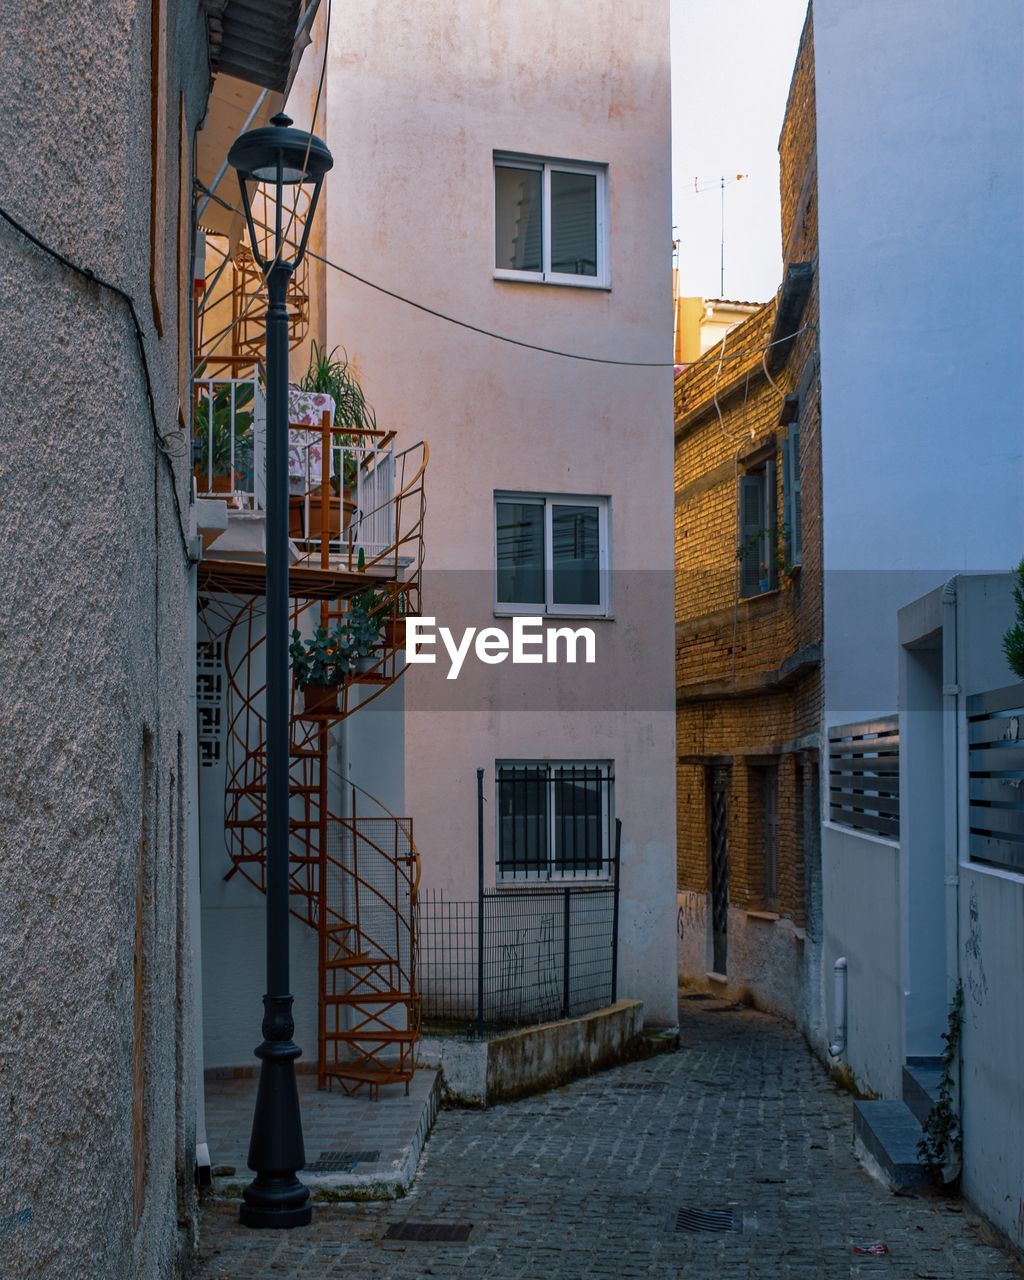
749	620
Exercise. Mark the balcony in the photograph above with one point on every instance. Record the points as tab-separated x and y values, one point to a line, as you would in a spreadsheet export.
358	517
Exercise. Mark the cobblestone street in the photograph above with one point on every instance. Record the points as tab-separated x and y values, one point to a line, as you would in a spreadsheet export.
586	1182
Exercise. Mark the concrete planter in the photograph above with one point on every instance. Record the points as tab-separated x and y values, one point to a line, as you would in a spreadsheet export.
480	1073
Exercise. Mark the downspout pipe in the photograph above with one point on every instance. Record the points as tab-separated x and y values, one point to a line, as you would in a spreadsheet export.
951	790
839	989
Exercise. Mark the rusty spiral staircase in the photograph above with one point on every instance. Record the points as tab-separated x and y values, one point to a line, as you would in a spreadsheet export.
354	866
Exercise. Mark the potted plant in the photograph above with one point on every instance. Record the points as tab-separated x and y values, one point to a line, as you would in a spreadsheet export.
225	478
332	374
394	622
370	614
324	663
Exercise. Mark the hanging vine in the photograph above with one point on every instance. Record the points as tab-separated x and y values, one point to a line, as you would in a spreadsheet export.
942	1140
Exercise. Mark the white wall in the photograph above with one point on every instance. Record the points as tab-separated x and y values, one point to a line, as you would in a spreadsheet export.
417	105
921	202
991	949
861	897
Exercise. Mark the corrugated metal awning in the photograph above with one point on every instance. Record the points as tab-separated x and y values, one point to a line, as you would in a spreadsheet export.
254	40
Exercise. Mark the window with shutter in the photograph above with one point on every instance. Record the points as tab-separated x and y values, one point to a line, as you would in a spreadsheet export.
752	523
791	494
551	554
550	221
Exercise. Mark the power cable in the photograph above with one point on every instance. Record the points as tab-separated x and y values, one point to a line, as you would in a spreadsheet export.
519	342
161	439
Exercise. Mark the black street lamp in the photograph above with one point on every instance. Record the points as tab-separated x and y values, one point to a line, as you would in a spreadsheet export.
282	156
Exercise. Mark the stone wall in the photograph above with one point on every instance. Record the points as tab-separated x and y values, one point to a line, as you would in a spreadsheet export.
96	1054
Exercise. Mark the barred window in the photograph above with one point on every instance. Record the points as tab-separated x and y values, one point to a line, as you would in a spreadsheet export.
555	819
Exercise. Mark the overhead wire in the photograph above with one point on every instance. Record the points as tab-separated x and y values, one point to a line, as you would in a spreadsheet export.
519	342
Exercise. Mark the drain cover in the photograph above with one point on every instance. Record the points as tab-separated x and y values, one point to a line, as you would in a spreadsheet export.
438	1232
692	1219
639	1086
341	1161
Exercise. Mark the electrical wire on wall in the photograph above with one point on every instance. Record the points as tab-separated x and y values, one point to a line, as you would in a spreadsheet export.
163	440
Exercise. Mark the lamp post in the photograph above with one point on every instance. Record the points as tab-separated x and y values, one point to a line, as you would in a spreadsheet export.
282	156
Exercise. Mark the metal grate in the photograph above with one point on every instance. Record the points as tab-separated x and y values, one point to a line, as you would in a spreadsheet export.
548	953
995	729
692	1220
426	1232
341	1161
210	683
864	776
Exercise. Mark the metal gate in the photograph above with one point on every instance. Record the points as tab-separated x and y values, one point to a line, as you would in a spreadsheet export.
718	824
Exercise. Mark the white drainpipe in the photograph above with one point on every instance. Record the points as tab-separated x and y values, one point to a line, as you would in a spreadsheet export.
951	790
838	1046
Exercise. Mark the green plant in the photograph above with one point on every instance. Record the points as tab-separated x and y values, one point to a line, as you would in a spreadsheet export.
220	426
333	375
942	1140
781	555
1013	639
330	657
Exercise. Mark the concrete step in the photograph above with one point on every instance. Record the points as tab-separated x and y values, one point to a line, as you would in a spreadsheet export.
921	1078
889	1133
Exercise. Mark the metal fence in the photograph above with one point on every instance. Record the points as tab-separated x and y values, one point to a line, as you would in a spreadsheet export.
548	953
520	955
864	776
995	735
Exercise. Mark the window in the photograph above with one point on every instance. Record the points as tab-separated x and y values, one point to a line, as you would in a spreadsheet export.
756	551
791	515
549	221
551	554
554	819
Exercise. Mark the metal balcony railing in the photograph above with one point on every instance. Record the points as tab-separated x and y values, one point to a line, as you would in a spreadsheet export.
230	435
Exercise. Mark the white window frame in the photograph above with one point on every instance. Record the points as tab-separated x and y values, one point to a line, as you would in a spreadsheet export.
505	879
546	276
548	607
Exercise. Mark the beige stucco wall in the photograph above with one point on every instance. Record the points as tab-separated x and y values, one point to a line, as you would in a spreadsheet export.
418	101
94	601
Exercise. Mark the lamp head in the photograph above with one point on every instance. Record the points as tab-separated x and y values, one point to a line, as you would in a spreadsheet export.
281	156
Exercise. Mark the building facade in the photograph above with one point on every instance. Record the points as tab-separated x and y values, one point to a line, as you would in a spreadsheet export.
748	623
920	245
98	1049
511	170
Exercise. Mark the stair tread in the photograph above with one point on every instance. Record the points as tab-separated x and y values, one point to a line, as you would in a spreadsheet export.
383	1073
921	1081
369	997
382	1033
890	1132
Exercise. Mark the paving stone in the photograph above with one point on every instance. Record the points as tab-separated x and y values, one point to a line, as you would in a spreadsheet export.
584	1183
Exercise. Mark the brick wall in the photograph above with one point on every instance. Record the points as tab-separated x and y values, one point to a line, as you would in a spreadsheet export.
747	680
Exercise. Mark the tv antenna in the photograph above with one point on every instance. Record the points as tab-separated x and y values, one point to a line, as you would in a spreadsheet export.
700	185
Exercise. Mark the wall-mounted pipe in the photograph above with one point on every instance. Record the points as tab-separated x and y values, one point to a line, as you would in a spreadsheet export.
838	1045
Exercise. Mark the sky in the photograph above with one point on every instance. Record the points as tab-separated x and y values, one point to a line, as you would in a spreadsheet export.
731	65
